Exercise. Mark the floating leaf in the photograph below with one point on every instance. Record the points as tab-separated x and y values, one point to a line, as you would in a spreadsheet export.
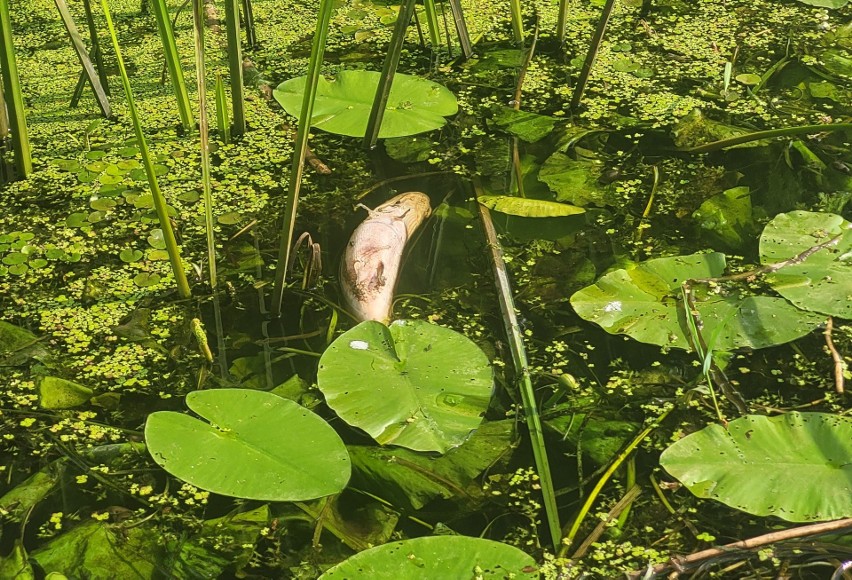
77	220
342	106
437	557
256	446
413	384
526	207
129	255
645	303
794	466
823	281
748	79
409	149
56	393
156	239
834	4
146	280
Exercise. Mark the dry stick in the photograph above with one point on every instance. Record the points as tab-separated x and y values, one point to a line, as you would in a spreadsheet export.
682	564
839	363
619	507
718	375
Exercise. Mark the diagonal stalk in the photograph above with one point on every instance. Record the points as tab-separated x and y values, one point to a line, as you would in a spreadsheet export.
299	153
159	201
203	132
594	47
519	357
167	37
14	97
758	135
374	123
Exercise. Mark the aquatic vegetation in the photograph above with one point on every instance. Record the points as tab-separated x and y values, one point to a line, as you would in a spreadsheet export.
702	186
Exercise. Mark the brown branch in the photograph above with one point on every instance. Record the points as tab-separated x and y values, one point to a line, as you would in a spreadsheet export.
769	268
686	562
839	363
616	510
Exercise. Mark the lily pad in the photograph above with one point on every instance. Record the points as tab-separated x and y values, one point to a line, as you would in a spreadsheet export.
129	255
645	303
256	446
794	466
823	281
413	384
437	557
343	105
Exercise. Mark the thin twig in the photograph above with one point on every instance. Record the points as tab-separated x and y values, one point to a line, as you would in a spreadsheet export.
594	47
839	363
516	104
760	135
619	507
682	564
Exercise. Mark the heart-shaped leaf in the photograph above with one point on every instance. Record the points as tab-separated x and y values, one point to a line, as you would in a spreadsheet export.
795	466
823	281
343	105
645	303
413	384
256	446
437	557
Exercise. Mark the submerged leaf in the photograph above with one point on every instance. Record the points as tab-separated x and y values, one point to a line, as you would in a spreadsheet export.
100	551
413	384
529	127
343	105
726	218
794	466
575	181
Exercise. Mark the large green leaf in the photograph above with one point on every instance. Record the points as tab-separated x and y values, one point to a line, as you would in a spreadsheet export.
343	105
413	384
797	466
529	127
822	282
256	446
645	303
437	557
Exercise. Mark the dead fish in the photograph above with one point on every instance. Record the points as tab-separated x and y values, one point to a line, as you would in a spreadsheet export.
373	256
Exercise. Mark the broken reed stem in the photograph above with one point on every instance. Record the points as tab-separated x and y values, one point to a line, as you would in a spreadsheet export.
516	104
619	508
522	372
839	363
594	47
593	496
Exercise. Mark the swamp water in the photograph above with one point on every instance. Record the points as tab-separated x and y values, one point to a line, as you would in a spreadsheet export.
85	272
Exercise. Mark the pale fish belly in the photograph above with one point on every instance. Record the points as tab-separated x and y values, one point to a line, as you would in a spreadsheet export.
371	262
